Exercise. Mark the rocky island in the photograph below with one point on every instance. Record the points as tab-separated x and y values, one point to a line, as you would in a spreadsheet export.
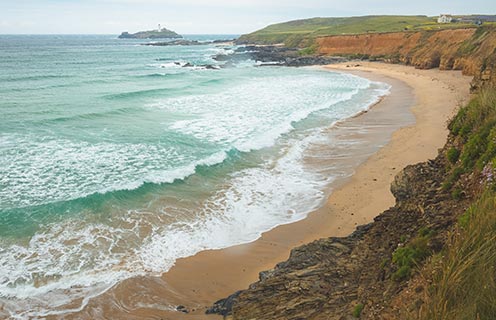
160	33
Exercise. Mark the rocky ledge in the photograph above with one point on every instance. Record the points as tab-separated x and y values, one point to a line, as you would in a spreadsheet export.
336	278
277	55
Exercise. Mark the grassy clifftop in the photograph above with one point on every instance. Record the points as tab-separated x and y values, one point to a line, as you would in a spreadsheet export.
301	32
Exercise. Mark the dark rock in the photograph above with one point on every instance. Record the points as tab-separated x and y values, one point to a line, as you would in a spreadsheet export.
174	43
276	55
223	306
183	42
182	309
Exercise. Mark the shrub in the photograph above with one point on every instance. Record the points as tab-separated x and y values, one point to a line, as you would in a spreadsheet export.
308	50
408	256
472	150
453	154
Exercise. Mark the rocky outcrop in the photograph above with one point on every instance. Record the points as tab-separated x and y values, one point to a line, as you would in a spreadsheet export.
153	34
329	278
277	55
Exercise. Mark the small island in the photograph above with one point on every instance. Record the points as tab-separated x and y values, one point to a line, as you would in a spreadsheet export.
160	33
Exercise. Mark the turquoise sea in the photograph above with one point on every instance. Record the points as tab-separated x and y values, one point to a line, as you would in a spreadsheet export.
115	160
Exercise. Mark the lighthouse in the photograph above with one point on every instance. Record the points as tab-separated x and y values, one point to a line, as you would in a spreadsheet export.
159	28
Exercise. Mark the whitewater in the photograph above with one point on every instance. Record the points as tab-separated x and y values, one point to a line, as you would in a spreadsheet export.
116	159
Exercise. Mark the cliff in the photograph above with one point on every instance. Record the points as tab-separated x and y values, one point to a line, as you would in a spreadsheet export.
471	50
421	259
412	40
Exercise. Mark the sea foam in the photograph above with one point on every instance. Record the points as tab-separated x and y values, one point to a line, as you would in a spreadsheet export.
226	147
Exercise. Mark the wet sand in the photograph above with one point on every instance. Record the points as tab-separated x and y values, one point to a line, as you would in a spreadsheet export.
371	162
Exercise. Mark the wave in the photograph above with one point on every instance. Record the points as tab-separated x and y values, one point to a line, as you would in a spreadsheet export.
35	77
129	190
138	94
93	115
87	258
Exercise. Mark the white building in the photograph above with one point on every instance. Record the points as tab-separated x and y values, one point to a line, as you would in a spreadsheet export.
445	18
159	28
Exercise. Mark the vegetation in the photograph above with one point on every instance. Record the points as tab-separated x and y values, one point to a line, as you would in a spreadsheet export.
410	255
464	280
357	311
308	50
463	275
474	127
453	154
302	32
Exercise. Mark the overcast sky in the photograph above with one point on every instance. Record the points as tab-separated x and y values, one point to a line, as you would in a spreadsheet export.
202	17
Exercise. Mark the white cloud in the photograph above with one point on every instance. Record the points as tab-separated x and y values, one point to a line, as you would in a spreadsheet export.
201	16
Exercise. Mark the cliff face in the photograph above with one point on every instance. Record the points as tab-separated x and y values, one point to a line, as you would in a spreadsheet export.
471	50
331	278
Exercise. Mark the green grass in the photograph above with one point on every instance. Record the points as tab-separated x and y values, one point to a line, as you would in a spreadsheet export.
293	33
357	311
308	50
475	125
408	256
453	154
463	276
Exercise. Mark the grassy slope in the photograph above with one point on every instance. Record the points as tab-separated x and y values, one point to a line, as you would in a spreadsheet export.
301	32
463	275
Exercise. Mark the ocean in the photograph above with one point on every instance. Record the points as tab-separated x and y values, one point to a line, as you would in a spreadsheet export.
116	159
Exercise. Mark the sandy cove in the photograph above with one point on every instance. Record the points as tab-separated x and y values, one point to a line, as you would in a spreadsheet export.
196	282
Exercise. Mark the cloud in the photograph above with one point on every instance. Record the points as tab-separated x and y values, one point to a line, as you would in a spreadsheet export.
200	16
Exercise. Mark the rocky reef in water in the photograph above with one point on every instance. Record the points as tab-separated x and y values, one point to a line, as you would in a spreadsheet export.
277	55
184	42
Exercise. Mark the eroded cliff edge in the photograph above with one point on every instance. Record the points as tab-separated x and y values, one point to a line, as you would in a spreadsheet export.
472	50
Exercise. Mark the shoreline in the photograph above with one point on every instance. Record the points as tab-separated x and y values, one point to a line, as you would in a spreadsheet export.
198	281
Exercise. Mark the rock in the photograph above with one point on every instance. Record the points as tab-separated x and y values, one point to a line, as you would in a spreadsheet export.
223	306
276	55
184	42
152	34
174	43
182	309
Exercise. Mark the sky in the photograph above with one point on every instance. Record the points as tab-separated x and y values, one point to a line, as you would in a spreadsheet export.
202	17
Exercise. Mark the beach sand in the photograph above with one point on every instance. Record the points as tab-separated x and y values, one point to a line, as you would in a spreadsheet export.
196	282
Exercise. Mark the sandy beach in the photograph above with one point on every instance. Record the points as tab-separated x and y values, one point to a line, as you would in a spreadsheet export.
432	96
